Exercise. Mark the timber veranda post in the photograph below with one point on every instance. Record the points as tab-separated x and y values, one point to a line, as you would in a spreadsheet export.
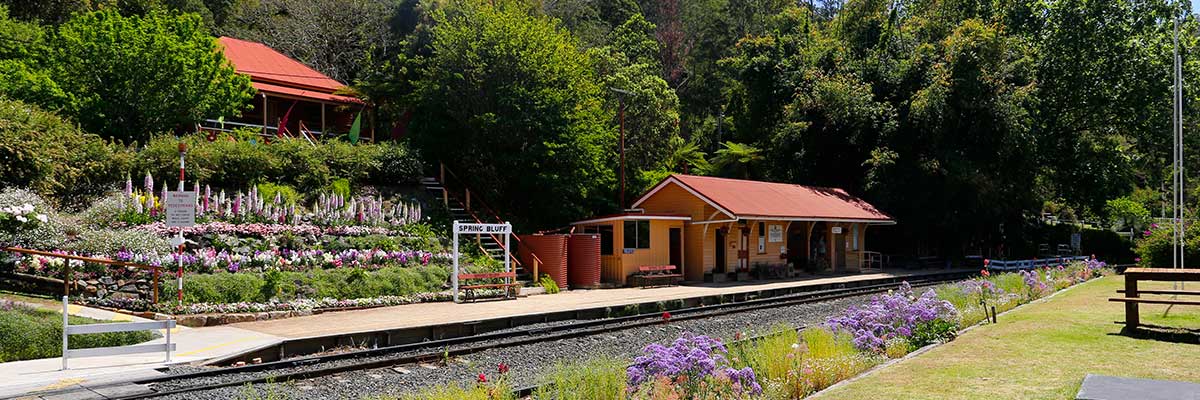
454	275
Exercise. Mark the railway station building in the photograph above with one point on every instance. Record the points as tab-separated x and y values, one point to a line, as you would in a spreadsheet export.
719	229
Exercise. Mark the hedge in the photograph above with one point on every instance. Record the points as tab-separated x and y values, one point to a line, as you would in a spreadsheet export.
49	155
238	164
342	283
27	333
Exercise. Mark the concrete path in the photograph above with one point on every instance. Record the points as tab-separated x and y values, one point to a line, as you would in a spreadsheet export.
425	314
20	379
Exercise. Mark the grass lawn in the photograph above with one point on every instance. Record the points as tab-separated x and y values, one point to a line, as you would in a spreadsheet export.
1041	351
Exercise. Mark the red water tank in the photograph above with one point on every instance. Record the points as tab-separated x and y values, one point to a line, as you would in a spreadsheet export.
583	260
551	250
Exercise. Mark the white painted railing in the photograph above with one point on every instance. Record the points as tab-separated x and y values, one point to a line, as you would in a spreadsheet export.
69	330
1032	263
871	261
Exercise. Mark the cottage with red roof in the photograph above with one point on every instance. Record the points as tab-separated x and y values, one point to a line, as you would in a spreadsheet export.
293	99
715	228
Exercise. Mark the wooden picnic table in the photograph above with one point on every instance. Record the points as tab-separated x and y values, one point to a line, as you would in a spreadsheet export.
1133	296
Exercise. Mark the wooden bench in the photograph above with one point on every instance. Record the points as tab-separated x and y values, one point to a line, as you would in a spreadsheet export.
510	286
1133	296
652	273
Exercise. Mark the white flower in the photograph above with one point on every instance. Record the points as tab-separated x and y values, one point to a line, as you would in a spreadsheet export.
42	217
795	346
27	208
22	219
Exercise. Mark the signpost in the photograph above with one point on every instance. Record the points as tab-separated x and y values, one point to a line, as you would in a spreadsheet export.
181	213
504	229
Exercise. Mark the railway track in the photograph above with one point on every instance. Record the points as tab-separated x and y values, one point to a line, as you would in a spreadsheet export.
310	367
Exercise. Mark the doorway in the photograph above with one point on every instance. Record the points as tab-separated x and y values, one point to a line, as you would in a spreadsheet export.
744	250
719	252
675	236
839	251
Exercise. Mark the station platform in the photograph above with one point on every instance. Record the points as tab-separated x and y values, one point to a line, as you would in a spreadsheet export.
427	314
26	379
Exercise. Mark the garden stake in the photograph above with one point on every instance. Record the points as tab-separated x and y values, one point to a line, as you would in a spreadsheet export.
993	314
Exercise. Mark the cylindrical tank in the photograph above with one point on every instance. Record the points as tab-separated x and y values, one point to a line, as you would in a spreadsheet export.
551	250
583	260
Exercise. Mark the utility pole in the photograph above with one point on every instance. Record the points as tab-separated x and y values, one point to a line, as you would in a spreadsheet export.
621	112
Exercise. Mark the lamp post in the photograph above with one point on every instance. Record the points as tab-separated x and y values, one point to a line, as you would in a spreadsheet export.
621	112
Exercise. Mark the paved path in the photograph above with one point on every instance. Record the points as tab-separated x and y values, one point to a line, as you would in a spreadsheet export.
425	314
30	376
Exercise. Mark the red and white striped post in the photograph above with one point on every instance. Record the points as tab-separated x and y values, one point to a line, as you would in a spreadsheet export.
179	273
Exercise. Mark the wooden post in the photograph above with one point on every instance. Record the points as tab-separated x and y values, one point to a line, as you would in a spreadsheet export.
67	280
322	119
535	270
155	283
442	180
468	191
1131	308
264	111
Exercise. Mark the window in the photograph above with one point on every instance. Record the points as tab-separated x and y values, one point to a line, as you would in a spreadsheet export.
606	237
762	238
637	234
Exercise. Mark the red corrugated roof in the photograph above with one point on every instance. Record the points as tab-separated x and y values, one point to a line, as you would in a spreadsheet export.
749	199
307	94
265	64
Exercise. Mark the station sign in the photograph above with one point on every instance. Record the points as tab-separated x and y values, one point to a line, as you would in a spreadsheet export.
483	228
181	209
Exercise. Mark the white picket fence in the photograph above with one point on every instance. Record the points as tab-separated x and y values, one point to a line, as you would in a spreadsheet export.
69	330
1032	263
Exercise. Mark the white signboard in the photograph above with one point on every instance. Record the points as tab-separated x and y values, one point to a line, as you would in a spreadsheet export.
181	209
775	233
837	230
483	228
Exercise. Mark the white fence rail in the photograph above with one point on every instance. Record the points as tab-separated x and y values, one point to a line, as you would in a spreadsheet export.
1032	263
69	330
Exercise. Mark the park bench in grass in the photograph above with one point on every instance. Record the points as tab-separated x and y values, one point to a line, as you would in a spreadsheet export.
649	274
1133	296
510	286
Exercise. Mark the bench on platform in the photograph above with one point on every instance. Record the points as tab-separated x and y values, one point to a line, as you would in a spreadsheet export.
649	274
1133	296
510	286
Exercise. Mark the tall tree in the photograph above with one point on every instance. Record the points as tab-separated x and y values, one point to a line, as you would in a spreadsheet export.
509	100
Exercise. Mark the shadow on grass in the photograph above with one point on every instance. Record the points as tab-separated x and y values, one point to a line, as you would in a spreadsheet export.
1162	334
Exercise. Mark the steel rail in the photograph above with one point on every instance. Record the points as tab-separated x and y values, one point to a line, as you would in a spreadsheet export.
441	348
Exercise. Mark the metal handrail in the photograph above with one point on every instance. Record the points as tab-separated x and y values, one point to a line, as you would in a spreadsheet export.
68	273
445	186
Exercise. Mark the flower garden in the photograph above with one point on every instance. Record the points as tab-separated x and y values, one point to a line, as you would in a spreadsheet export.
267	249
789	362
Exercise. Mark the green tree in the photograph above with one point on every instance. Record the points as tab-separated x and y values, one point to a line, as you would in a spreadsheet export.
1125	213
736	160
510	102
128	77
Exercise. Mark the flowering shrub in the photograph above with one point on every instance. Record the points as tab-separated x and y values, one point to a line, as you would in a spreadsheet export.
692	365
253	207
27	221
209	260
896	314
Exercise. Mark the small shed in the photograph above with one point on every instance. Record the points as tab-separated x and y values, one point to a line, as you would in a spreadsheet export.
631	240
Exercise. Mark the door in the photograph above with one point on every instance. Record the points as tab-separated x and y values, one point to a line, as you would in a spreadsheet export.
719	252
744	251
676	248
839	251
